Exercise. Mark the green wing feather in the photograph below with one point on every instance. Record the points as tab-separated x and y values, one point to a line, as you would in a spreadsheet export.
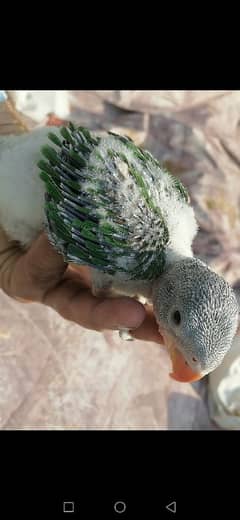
100	201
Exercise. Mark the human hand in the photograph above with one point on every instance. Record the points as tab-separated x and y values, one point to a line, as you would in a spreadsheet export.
40	275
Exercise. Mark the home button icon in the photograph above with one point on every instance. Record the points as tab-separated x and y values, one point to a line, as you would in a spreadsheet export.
120	507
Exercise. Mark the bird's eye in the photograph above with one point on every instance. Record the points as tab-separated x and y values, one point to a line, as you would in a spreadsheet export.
194	359
176	317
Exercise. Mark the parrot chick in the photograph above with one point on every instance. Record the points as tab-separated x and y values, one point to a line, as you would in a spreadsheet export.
110	205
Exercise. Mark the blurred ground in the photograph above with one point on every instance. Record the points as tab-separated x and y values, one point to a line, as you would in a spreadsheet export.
54	374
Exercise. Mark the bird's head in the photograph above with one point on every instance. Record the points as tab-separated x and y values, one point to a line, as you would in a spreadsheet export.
197	313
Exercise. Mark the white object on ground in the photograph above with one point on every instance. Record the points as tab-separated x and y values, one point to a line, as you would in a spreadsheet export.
224	390
37	104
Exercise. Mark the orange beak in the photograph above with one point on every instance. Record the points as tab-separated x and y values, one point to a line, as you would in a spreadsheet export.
181	371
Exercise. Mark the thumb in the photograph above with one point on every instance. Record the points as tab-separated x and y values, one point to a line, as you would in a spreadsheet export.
36	271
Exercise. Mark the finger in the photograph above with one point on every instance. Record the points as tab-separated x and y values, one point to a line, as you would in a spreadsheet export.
76	303
37	270
148	330
10	252
80	273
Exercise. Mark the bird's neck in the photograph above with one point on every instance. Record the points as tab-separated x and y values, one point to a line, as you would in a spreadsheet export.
175	256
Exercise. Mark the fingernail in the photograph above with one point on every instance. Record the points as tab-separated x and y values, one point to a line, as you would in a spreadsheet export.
125	334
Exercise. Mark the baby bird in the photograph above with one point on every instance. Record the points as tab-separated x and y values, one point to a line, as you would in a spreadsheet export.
109	204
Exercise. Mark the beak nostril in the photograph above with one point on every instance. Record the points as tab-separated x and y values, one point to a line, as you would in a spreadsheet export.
186	363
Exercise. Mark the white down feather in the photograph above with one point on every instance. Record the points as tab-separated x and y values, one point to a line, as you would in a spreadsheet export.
21	189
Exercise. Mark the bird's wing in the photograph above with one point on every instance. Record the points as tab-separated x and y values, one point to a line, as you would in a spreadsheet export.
103	203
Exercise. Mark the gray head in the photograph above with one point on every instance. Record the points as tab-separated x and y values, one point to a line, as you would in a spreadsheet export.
197	312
